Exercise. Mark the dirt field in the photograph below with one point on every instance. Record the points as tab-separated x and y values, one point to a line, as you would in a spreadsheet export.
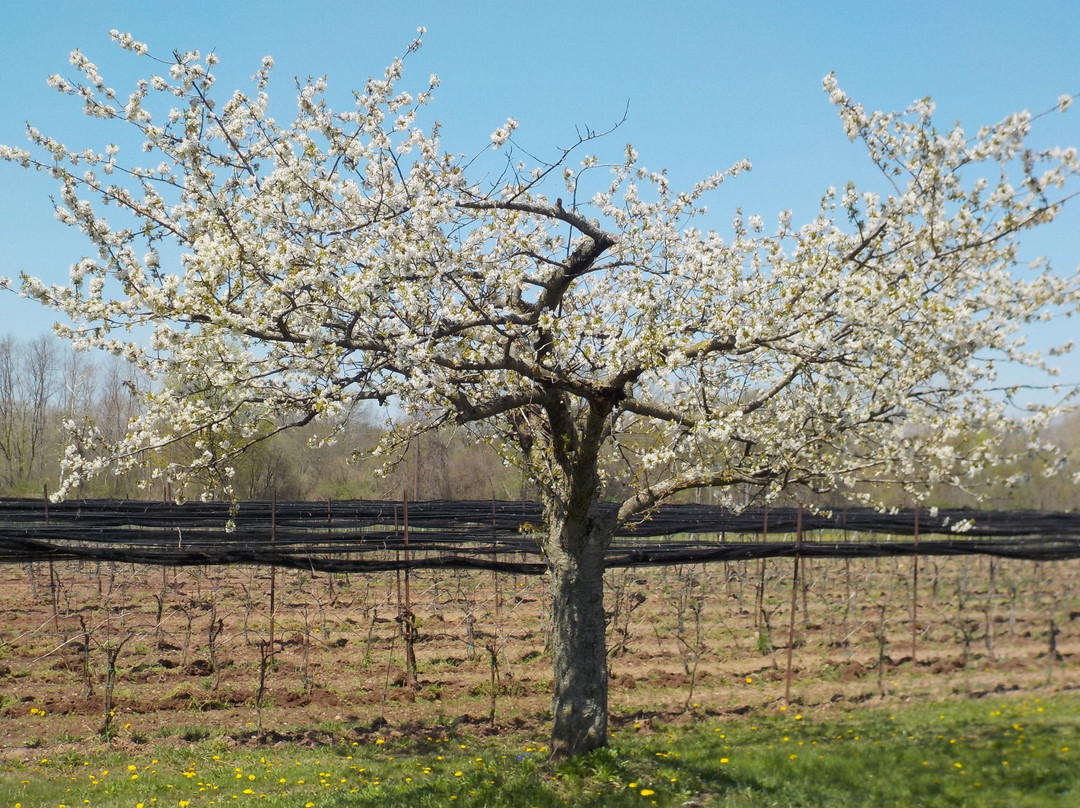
139	653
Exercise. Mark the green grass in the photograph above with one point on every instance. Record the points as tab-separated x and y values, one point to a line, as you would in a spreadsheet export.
989	752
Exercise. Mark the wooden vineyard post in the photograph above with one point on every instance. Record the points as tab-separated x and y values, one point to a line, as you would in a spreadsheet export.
273	568
794	601
915	590
759	612
495	556
495	573
54	597
1053	654
408	622
493	646
397	561
991	609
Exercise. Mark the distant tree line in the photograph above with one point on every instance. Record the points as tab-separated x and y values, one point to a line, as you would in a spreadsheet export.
43	384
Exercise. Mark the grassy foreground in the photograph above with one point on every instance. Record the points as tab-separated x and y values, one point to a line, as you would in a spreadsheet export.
985	752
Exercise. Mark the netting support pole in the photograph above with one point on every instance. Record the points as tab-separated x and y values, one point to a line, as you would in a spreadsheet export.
408	621
794	603
273	567
54	596
759	606
915	590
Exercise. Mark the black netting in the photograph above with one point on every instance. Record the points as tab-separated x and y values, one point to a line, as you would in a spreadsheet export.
369	536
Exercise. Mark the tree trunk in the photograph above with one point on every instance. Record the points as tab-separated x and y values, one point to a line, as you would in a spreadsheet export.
580	703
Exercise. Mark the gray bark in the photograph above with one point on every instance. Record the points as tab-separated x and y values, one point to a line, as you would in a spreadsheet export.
580	702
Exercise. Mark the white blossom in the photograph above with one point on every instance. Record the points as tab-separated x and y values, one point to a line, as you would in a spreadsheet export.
502	134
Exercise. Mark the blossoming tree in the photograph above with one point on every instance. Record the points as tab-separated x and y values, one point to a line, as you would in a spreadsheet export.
266	275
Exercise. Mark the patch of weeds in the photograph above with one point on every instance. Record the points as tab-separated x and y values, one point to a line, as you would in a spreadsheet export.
181	691
195	734
507	687
433	692
602	766
764	642
197	705
70	760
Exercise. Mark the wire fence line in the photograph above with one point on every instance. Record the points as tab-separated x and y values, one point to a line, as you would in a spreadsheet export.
380	535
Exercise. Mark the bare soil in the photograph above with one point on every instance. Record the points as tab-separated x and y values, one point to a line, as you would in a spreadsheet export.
130	655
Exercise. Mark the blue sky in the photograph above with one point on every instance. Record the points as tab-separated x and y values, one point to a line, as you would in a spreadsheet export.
706	84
